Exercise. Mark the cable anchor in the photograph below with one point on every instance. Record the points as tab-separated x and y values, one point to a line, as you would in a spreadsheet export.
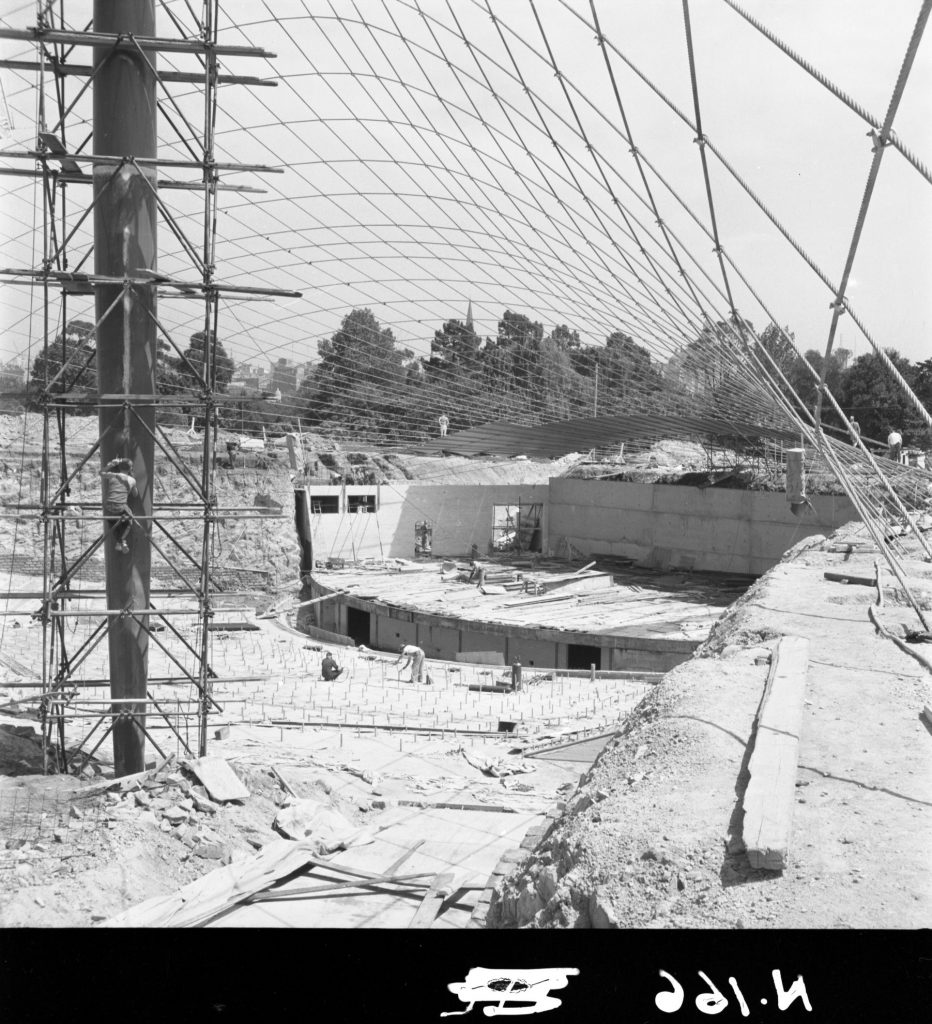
879	140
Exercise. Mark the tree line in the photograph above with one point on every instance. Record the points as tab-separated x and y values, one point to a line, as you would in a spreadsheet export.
367	385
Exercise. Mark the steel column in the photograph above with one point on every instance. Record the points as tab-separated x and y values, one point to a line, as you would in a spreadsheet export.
125	243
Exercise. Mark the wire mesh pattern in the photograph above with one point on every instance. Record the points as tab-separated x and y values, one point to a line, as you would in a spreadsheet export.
440	159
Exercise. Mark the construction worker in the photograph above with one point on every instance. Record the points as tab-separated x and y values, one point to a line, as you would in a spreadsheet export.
329	669
444	422
413	656
516	674
477	574
855	429
894	445
118	488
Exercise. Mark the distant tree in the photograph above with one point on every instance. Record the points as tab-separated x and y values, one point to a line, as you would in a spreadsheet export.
702	366
222	366
806	383
554	377
922	387
517	350
779	345
455	344
168	378
73	354
360	383
565	339
627	374
869	392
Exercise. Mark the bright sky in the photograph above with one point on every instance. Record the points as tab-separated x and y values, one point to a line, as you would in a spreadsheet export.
414	186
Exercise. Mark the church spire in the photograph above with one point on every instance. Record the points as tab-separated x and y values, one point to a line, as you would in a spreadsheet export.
469	326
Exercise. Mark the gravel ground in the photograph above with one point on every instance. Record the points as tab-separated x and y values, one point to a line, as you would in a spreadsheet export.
653	838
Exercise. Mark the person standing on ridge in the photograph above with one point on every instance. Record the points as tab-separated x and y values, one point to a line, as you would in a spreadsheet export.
894	445
444	422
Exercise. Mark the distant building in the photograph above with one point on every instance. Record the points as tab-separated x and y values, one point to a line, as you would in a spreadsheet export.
306	370
284	374
250	379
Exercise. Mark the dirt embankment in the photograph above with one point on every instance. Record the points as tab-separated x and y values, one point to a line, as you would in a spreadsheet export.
265	541
653	837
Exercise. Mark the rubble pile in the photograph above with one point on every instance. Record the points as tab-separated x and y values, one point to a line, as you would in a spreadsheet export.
78	852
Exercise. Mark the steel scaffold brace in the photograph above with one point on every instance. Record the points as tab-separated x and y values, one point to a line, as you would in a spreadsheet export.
125	206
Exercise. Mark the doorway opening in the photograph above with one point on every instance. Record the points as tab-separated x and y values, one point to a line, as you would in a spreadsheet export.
583	656
517	527
358	625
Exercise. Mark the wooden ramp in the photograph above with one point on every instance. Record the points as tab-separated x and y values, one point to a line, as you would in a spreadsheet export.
771	793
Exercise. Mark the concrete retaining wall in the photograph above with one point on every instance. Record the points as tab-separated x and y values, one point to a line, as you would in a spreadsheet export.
711	528
445	638
459	514
708	528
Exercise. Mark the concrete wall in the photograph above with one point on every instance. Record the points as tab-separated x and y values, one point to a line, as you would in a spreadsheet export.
445	638
460	515
686	527
662	525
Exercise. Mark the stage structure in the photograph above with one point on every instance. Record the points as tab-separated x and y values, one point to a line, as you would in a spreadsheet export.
119	184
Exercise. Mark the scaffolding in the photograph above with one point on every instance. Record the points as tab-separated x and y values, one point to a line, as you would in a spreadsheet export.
171	621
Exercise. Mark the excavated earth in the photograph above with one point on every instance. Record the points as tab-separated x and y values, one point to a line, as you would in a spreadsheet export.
653	837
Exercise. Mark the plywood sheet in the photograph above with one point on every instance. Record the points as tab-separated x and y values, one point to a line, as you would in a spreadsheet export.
219	779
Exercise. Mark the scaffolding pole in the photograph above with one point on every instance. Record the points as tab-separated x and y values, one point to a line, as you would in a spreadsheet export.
127	91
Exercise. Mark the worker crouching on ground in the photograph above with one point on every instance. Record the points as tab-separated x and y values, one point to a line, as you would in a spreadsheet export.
413	656
329	669
118	488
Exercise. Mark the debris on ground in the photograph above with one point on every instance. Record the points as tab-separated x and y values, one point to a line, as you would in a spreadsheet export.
498	766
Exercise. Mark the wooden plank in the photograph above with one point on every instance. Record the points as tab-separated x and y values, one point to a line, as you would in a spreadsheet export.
218	778
439	890
124	783
844	577
771	793
206	897
285	784
583	750
403	882
395	865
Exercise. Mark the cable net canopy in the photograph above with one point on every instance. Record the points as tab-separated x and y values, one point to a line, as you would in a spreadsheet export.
549	211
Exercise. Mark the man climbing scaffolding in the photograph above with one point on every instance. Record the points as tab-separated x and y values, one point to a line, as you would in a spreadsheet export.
118	488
